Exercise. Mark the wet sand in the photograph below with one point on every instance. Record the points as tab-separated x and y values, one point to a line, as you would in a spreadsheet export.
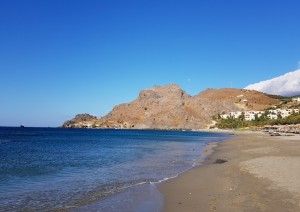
262	174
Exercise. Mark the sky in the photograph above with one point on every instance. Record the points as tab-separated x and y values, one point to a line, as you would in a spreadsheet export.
59	58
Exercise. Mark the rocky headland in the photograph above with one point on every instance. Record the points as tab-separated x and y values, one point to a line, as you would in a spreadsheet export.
170	107
79	118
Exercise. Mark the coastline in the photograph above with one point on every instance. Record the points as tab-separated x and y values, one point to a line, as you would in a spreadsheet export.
260	175
146	196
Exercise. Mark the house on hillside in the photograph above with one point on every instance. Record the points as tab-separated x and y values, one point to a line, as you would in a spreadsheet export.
251	115
296	99
284	112
272	116
235	114
225	116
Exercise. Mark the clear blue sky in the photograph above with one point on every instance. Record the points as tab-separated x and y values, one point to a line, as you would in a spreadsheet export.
59	58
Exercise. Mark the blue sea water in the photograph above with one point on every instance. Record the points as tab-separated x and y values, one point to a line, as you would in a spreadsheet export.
46	169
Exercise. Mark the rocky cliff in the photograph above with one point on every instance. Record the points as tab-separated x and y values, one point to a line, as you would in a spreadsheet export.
169	107
79	120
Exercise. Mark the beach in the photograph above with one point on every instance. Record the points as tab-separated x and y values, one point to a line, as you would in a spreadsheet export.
257	172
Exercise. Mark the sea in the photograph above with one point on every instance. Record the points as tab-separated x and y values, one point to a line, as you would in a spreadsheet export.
55	169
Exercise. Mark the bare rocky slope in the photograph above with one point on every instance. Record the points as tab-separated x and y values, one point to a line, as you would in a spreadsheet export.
169	107
80	118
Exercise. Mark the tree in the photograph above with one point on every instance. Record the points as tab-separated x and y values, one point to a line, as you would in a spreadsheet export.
242	116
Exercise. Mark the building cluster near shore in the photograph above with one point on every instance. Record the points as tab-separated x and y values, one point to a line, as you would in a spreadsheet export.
296	99
252	115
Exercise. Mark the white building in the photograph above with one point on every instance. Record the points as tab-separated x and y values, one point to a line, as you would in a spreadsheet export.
283	112
251	115
272	116
296	99
236	114
225	116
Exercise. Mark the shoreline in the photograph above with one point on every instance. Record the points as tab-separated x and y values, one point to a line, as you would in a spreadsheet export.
146	196
260	175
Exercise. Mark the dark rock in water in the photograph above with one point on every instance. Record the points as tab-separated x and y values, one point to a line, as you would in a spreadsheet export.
220	161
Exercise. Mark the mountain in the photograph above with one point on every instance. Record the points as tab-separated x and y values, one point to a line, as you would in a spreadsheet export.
243	99
285	85
169	107
164	107
79	118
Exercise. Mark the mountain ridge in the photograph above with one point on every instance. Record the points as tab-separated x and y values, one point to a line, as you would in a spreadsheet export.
170	107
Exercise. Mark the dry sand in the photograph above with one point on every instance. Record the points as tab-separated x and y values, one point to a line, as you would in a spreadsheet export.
262	174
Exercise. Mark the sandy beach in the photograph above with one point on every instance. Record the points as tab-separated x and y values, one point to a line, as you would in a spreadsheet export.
262	173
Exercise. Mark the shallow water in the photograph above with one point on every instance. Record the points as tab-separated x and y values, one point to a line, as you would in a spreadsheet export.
100	170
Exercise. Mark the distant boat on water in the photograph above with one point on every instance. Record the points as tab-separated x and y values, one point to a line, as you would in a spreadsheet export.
22	126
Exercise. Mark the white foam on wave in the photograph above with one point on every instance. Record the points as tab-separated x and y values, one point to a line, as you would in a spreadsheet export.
142	198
